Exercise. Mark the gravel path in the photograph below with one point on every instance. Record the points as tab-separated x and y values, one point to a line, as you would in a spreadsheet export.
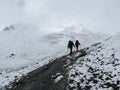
52	76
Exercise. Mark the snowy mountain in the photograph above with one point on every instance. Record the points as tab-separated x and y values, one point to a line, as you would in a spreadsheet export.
75	33
99	69
22	49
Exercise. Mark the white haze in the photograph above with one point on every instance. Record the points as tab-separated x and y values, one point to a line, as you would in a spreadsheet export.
97	15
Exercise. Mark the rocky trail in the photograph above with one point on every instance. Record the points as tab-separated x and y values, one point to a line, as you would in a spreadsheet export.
52	76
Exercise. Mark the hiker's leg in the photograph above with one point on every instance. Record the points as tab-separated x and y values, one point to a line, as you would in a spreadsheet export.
76	49
70	51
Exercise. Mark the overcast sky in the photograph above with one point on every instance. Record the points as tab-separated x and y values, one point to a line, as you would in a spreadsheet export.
97	15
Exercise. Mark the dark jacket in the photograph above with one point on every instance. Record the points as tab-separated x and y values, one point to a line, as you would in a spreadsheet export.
70	44
77	43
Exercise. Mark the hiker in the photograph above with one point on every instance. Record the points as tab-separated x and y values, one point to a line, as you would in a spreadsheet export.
70	46
77	45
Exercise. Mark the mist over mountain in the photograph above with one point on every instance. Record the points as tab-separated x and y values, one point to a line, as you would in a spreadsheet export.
24	49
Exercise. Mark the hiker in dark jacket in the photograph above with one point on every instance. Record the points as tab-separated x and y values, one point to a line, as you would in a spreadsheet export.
70	46
77	45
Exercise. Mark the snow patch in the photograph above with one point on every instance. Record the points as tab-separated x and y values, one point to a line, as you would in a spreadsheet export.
58	79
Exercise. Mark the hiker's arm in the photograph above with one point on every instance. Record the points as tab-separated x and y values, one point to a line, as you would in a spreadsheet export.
73	44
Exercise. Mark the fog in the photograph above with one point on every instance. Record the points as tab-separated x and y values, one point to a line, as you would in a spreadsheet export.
48	15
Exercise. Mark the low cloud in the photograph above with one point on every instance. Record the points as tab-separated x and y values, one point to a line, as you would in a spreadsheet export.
100	16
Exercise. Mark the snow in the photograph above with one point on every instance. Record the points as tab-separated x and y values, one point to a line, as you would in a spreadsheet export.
99	70
58	79
23	49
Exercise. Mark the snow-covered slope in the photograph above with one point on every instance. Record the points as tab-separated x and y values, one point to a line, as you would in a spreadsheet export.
18	45
22	49
74	33
100	69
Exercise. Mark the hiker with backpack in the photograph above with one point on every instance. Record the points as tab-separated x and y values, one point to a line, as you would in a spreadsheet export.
70	46
77	45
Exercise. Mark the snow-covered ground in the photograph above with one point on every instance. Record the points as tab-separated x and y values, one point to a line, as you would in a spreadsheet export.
100	69
22	49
